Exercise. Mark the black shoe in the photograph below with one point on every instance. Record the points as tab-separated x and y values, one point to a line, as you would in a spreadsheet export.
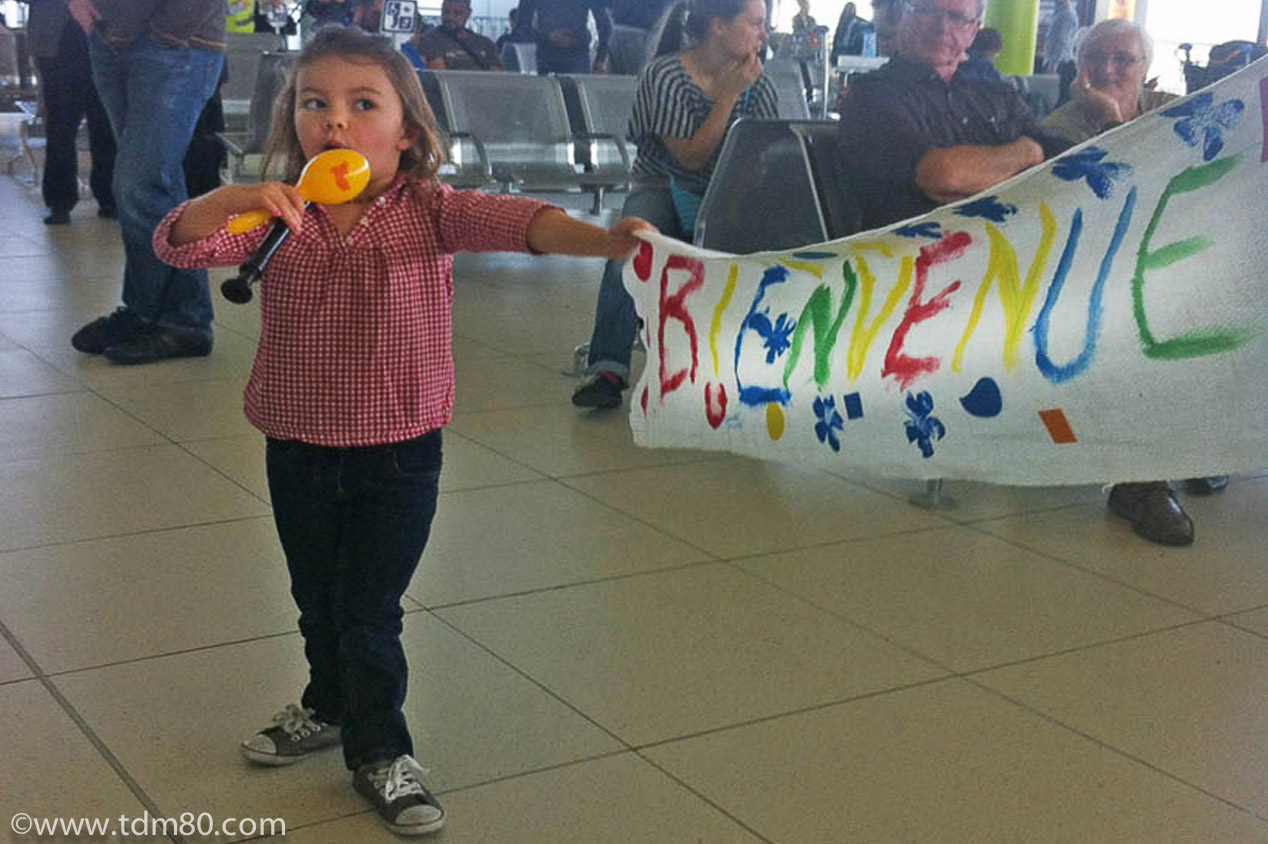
108	212
395	790
1153	511
153	343
100	334
1206	486
57	218
601	390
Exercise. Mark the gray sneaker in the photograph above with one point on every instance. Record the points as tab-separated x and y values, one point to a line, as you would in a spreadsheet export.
395	790
295	734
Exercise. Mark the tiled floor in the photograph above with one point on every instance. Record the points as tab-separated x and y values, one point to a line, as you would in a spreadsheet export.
608	645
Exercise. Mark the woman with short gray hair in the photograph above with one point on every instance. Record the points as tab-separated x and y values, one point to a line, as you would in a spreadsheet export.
1113	60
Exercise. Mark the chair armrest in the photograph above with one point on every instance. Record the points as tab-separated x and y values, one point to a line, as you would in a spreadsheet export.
483	156
230	147
608	136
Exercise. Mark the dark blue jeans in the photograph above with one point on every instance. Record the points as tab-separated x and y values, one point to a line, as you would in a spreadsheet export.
353	523
615	318
154	93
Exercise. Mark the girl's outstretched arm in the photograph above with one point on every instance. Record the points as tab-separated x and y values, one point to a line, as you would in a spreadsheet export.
207	213
554	232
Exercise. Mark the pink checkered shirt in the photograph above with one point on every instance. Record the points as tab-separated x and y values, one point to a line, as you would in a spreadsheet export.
355	345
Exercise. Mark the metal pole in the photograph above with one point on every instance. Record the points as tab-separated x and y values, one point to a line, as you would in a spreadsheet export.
1263	22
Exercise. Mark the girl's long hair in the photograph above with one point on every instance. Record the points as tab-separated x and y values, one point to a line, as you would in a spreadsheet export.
420	161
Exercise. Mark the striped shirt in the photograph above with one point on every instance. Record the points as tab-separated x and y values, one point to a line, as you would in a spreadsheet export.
355	330
669	104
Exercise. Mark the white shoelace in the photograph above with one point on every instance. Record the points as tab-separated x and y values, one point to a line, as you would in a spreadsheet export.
295	719
401	779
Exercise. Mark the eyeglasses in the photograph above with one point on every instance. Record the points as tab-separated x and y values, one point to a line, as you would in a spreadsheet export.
1116	59
929	13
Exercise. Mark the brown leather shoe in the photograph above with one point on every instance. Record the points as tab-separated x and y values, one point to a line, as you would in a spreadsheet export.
1153	511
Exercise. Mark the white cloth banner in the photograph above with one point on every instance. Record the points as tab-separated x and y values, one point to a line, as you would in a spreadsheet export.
1100	318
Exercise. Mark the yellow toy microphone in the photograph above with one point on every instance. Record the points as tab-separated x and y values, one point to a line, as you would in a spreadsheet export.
329	178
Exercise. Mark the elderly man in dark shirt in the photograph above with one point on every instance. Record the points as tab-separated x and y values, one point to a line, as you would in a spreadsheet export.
915	135
563	36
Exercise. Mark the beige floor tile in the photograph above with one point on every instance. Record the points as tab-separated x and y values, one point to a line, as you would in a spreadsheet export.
240	459
737	507
562	440
1256	621
963	599
505	383
50	339
470	465
155	593
95	294
977	501
70	423
946	763
1192	702
189	410
473	719
90	496
1222	572
11	665
491	542
577	804
40	738
23	374
668	654
465	349
9	345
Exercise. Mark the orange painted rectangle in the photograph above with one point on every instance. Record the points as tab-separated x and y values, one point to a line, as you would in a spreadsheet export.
1058	426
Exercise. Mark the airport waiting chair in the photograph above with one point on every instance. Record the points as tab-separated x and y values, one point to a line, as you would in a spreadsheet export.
763	166
246	149
790	86
516	124
599	109
519	57
242	63
1040	91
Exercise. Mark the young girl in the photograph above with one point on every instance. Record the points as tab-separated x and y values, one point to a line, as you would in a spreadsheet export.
353	381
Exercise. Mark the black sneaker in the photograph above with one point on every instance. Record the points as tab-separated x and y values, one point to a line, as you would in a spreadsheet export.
57	218
295	734
108	212
154	342
1207	485
399	797
601	390
100	334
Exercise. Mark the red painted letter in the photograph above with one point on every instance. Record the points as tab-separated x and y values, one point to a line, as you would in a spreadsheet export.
905	368
674	307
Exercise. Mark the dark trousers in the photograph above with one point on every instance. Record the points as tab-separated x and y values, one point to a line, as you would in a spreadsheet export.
69	97
551	59
353	523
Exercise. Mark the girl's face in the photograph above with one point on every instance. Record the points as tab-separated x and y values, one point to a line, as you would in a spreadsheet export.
742	35
352	105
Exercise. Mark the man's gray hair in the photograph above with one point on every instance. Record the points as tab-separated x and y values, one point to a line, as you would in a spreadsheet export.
1109	28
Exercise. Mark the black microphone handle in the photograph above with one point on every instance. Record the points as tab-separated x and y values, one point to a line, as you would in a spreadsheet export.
238	288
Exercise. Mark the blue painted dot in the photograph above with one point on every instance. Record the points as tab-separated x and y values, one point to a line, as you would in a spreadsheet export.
984	400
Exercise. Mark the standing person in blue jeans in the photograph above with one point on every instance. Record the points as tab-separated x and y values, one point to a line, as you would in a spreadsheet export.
155	64
687	99
563	34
